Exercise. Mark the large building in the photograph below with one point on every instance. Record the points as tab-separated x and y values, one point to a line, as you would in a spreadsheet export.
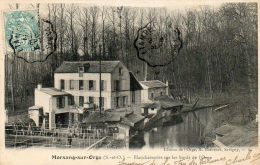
82	79
77	86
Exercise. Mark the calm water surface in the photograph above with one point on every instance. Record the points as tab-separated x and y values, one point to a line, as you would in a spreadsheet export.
183	134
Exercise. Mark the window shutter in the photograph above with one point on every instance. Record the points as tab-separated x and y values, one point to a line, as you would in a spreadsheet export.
96	101
86	99
73	84
67	84
114	101
126	103
57	102
85	85
63	101
121	85
94	84
105	85
76	85
76	100
120	101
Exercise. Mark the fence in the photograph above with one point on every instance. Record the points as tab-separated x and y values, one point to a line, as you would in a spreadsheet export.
18	136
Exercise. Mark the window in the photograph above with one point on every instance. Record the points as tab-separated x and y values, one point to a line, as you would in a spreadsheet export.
71	100
81	85
81	71
161	93
116	101
71	84
60	102
117	85
151	95
102	85
81	101
112	130
124	101
120	71
62	84
91	99
133	97
91	85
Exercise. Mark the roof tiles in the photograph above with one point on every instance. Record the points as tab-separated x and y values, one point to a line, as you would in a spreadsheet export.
53	92
153	84
92	66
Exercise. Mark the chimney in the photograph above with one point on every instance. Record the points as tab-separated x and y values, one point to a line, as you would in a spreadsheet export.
39	86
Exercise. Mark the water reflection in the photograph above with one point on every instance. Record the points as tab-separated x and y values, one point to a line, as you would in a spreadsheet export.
187	133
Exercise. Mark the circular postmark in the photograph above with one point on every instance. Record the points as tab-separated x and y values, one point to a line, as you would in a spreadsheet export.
157	47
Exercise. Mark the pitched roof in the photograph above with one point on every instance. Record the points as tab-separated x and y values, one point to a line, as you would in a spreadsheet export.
22	119
91	66
128	118
134	83
34	107
150	105
153	84
53	92
167	103
95	117
131	119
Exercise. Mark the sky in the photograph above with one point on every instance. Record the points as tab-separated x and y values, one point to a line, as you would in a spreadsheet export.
176	6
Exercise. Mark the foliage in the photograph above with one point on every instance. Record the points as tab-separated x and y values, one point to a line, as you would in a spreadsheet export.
219	53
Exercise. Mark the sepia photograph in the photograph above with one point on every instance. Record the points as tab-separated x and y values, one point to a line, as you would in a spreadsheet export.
124	77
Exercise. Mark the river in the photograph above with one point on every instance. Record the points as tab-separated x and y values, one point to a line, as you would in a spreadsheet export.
184	134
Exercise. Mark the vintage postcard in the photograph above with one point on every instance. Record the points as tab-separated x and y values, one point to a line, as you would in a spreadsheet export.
129	82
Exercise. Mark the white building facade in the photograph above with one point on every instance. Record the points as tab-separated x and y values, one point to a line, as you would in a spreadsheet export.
153	89
82	81
77	87
53	108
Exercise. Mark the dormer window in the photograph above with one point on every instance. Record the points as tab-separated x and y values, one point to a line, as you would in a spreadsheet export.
81	71
81	68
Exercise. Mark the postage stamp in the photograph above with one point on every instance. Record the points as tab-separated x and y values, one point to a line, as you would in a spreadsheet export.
22	32
132	83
